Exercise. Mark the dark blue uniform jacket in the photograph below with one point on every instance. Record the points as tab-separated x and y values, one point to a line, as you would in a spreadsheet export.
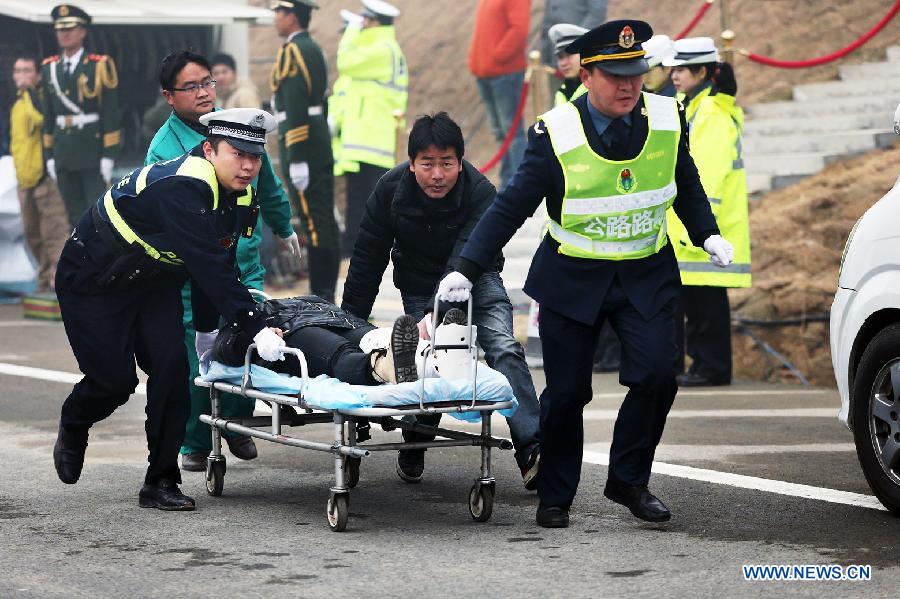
576	287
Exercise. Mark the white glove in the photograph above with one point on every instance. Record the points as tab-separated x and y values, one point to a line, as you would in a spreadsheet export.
455	287
51	168
203	342
269	345
106	166
721	253
291	244
299	172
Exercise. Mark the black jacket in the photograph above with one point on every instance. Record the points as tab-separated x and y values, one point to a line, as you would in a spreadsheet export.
577	287
423	237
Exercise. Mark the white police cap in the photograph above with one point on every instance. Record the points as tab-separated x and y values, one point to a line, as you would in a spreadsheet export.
351	18
693	50
658	48
379	8
563	34
243	128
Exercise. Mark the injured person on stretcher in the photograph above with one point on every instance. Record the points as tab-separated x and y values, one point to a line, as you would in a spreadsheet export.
343	346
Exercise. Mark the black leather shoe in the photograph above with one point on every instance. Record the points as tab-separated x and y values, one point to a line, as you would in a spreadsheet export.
691	379
607	366
411	464
642	503
165	495
550	516
241	447
193	462
68	453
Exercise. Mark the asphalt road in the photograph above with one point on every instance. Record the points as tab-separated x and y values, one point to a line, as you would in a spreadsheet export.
754	474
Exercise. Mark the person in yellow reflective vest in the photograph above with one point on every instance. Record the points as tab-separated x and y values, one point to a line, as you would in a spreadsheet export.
715	124
373	61
336	101
561	35
658	80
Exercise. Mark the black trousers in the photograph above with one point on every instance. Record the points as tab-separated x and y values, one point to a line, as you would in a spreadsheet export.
333	352
360	186
108	331
648	370
707	333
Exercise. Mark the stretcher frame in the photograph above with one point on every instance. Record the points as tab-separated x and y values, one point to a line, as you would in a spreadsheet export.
348	452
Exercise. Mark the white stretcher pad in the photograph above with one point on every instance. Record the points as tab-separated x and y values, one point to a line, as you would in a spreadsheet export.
331	394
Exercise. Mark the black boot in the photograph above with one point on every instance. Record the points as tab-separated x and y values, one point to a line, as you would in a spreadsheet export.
68	453
165	495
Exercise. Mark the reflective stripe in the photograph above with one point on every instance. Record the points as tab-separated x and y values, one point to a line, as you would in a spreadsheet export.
714	200
247	198
566	130
602	247
372	149
388	84
128	233
141	182
737	164
739	269
200	168
621	203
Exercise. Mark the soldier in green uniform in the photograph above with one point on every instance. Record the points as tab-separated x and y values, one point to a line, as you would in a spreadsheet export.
299	80
81	117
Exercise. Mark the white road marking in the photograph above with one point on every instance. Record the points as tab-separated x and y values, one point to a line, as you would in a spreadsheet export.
56	376
736	413
742	481
729	393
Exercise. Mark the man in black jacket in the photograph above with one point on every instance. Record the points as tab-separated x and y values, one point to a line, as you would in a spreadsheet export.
420	216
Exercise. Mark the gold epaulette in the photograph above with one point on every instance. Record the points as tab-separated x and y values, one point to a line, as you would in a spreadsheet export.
289	63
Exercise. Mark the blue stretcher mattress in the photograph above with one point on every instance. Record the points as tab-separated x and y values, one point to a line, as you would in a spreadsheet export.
331	394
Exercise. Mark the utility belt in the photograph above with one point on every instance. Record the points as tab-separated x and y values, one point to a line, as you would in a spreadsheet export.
67	121
281	115
129	263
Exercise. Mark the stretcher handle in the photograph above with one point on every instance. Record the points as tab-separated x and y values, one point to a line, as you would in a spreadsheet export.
472	347
304	369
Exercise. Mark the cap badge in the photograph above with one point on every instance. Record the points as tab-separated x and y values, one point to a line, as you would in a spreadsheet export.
63	10
626	37
258	121
626	182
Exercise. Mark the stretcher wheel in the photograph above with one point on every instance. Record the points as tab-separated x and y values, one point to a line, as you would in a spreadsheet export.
215	478
351	471
481	502
338	511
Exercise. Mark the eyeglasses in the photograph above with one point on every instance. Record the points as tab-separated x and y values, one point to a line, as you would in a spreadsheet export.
195	87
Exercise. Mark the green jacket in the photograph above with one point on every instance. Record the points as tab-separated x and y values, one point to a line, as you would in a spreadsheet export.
175	138
299	81
93	90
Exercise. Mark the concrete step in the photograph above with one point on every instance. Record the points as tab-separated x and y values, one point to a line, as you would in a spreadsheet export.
817	92
880	103
843	142
823	124
869	70
758	183
805	163
893	54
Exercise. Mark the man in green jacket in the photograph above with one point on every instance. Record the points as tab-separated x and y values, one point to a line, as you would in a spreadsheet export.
189	89
299	80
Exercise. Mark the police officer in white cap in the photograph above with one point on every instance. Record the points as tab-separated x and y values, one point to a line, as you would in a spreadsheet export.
561	35
379	10
119	284
658	79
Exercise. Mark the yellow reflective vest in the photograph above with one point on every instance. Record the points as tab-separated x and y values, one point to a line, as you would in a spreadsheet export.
715	124
374	64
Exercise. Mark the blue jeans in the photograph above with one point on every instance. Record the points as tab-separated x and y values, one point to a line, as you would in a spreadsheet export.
492	314
501	98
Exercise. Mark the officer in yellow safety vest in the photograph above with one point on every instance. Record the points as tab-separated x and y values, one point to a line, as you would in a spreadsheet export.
374	63
336	101
658	80
561	35
609	165
715	125
119	284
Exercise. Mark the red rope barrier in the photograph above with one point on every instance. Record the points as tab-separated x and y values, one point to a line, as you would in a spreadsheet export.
695	20
513	129
800	64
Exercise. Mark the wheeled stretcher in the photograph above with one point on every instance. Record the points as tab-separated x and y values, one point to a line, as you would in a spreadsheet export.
324	400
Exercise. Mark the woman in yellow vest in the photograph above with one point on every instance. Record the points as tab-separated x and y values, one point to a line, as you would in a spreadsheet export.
714	124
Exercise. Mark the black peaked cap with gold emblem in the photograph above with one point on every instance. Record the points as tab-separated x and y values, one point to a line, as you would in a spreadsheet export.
67	16
615	47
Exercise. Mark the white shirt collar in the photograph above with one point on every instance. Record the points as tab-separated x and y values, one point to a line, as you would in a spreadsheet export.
74	59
